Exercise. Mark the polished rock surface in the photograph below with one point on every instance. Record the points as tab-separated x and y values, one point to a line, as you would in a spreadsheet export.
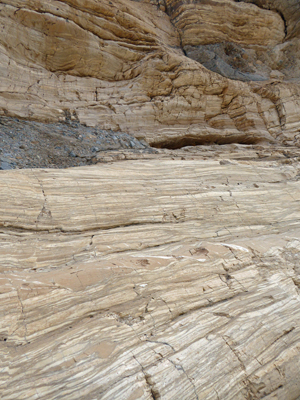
159	278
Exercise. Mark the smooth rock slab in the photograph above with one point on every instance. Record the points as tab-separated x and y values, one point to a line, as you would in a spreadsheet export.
156	279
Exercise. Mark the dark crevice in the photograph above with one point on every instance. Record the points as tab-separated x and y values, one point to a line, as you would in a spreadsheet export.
284	21
162	5
182	48
178	143
154	392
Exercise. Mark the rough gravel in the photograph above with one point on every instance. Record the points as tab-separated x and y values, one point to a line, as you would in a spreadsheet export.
30	144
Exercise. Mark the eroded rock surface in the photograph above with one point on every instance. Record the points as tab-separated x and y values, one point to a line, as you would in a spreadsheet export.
169	272
151	279
140	67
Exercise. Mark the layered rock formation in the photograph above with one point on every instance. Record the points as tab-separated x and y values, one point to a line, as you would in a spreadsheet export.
167	273
137	67
158	279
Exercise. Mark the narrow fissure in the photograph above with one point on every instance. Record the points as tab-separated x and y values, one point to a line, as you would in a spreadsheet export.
284	21
162	5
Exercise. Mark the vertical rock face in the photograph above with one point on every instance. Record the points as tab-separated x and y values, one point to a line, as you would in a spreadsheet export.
162	71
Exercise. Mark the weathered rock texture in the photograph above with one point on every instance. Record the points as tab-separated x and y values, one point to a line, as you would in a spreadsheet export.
140	67
166	274
158	279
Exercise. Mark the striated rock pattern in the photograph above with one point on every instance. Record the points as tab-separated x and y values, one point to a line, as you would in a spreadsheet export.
170	273
153	279
169	72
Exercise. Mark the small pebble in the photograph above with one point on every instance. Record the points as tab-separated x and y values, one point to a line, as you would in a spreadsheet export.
5	166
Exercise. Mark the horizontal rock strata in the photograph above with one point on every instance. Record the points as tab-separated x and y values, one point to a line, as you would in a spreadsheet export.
152	279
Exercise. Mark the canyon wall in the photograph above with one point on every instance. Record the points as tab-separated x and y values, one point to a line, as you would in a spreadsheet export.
171	72
156	274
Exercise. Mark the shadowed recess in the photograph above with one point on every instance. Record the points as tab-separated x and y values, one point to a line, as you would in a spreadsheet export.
179	142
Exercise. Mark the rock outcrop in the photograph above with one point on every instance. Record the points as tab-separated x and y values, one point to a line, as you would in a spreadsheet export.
166	273
158	279
140	67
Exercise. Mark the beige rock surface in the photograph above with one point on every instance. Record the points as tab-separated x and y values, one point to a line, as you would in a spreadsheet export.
152	279
121	65
168	275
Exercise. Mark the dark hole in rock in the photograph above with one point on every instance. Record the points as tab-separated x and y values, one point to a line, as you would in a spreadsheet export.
178	143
